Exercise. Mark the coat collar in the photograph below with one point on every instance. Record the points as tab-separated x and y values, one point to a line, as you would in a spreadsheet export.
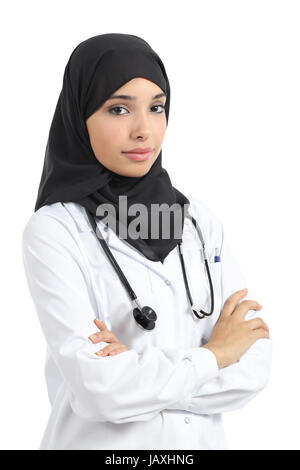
115	243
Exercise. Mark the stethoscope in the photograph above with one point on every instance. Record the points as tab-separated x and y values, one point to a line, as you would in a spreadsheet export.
146	317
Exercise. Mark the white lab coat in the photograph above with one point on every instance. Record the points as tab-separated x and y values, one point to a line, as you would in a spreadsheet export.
166	392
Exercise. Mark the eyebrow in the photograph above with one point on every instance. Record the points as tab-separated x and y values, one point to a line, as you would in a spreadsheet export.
133	98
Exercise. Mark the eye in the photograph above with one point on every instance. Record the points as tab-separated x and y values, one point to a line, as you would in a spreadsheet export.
161	105
115	107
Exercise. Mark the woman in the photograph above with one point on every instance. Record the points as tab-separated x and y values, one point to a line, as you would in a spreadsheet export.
152	368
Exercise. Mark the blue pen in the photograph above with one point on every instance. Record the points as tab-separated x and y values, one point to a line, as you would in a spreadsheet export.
217	258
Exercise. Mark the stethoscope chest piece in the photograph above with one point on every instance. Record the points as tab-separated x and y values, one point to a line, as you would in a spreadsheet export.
145	317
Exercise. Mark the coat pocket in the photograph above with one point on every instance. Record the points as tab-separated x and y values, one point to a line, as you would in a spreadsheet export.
215	269
198	281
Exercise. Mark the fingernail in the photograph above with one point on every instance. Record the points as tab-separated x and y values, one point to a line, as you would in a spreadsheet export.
100	353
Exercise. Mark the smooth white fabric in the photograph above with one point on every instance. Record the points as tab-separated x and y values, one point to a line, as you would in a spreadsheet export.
166	392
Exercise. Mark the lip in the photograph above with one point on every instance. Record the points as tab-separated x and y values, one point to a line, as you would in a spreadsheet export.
140	150
138	156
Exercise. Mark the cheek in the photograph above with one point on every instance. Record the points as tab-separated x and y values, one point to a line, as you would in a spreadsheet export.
160	129
106	138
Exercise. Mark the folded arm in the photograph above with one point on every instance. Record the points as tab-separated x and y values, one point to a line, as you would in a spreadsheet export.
127	387
237	384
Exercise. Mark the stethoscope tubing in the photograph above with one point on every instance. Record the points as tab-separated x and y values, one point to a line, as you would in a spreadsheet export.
128	287
111	258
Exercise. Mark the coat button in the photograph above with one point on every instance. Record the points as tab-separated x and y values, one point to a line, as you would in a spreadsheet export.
187	420
167	282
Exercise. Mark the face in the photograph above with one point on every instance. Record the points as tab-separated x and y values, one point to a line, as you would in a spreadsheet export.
137	120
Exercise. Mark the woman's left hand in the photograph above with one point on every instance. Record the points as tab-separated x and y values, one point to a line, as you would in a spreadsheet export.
109	337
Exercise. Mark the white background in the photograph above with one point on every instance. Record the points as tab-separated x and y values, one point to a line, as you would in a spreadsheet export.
232	141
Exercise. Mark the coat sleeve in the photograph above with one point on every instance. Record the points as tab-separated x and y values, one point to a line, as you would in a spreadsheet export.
237	384
130	386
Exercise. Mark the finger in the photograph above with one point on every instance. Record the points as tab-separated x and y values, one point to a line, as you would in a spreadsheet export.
260	333
257	323
114	352
100	324
109	348
118	351
231	302
243	308
106	335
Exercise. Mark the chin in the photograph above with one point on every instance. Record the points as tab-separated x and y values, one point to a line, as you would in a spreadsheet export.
142	173
140	170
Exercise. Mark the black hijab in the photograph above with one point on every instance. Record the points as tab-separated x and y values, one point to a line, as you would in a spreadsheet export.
96	68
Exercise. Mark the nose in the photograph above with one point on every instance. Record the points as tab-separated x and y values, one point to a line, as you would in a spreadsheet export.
141	126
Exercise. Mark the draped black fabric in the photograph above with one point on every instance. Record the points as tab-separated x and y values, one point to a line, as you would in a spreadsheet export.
96	68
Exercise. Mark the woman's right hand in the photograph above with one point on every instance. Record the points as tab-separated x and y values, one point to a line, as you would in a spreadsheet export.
232	335
115	347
